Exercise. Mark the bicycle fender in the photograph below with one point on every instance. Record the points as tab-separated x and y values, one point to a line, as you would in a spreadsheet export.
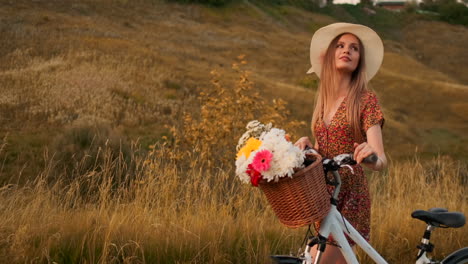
457	257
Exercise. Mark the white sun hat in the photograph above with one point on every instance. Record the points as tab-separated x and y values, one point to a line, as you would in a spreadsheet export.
373	46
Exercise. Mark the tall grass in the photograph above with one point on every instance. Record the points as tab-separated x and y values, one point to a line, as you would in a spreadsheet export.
166	214
411	185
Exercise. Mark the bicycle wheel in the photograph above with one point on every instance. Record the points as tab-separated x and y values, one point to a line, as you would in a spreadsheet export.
458	257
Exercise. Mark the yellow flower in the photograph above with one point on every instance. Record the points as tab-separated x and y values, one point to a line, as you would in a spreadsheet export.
251	145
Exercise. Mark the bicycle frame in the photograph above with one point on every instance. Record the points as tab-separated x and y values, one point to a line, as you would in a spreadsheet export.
336	225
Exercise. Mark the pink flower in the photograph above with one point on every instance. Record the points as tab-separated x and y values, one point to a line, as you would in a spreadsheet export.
261	161
255	176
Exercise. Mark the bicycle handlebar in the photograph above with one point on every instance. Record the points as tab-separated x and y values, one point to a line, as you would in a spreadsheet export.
342	160
371	159
334	164
345	159
348	159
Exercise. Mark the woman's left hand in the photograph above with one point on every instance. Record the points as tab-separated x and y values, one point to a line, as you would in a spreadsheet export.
362	151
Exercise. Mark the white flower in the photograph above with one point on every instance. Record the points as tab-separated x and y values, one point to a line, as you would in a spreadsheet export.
241	168
254	129
286	156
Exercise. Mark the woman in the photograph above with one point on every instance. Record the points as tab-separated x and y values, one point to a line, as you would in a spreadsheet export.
347	117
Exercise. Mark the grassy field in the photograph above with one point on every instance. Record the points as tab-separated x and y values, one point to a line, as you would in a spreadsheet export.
166	213
118	121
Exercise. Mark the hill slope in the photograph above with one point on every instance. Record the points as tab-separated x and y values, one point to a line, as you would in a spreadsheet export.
132	67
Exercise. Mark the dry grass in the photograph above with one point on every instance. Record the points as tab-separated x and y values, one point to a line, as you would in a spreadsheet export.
444	39
165	214
413	185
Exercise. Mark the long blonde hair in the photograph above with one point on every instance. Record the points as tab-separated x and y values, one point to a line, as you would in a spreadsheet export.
328	85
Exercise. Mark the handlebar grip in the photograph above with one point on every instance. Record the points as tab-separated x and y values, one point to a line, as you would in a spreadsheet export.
372	158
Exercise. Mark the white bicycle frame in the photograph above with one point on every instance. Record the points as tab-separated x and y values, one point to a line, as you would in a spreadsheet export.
336	225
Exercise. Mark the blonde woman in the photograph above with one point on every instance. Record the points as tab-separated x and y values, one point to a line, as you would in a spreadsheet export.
347	117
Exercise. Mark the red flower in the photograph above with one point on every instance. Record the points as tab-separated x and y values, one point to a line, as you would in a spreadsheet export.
255	176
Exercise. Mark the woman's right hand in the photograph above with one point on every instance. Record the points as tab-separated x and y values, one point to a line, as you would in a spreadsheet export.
303	142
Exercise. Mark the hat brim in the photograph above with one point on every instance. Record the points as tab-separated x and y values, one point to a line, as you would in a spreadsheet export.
373	46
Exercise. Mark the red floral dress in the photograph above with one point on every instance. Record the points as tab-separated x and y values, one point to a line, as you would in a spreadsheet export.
354	199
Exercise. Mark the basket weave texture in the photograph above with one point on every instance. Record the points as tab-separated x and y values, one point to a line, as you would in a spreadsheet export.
302	199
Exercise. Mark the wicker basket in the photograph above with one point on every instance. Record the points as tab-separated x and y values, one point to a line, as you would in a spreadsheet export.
302	199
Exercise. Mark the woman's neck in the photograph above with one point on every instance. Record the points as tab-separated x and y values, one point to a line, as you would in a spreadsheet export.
343	82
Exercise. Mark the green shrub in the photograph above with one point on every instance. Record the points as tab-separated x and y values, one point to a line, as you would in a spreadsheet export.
449	10
205	2
306	4
411	7
454	13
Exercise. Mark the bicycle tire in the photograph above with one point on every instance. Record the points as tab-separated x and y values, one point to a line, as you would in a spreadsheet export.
458	257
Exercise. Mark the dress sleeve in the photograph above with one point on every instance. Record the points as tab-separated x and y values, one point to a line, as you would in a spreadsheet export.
371	113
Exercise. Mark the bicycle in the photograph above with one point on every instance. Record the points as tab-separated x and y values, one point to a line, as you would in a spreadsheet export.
336	225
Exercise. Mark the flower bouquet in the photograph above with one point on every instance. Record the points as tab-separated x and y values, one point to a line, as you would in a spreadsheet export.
266	153
266	158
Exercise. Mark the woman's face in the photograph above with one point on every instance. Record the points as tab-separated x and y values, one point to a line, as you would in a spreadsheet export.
347	53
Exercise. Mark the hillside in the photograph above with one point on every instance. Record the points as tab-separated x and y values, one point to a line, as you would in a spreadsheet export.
133	68
104	159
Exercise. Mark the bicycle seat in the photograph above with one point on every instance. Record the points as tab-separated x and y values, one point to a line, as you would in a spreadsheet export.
439	217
